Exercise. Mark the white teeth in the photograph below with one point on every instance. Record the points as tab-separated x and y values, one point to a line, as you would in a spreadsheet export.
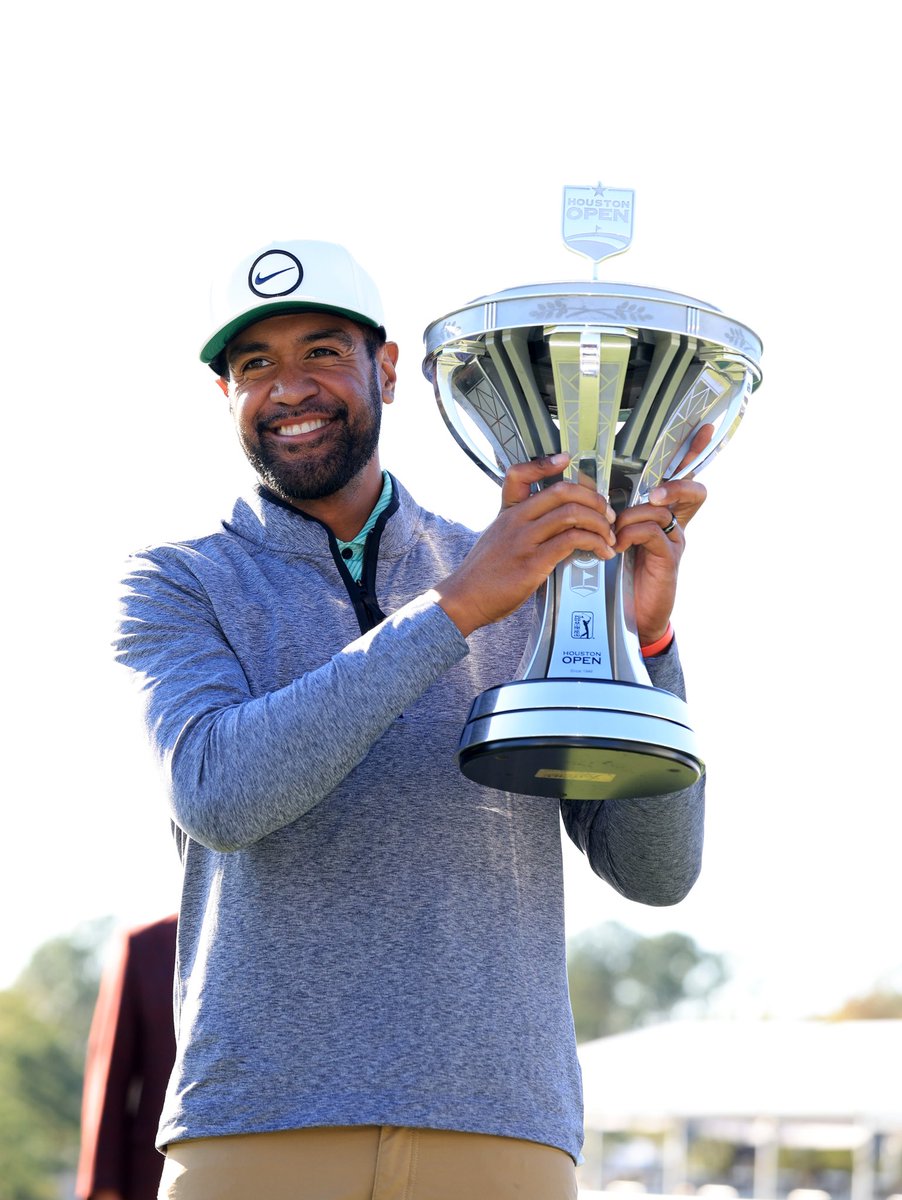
304	427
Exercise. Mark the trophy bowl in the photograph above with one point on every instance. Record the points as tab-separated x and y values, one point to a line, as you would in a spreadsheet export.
620	378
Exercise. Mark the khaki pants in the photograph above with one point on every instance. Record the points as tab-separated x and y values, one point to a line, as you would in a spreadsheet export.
366	1162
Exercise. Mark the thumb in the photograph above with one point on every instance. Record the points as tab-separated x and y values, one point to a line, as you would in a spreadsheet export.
520	477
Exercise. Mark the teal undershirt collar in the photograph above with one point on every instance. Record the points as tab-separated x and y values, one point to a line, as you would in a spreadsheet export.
352	552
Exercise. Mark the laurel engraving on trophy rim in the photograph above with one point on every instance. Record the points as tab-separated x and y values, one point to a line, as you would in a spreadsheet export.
451	330
558	310
738	340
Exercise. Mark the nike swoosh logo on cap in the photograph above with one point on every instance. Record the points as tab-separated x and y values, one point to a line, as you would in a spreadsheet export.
259	279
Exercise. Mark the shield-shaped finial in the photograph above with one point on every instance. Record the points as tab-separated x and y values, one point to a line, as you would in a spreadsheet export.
598	221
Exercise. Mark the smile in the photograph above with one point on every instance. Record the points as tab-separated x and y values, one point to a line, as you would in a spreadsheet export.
301	427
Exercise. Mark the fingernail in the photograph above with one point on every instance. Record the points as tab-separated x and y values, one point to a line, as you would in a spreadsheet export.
657	495
560	460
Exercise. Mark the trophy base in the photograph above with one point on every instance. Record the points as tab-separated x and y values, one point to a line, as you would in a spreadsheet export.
580	739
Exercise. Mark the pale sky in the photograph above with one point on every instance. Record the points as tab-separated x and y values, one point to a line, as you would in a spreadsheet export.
147	146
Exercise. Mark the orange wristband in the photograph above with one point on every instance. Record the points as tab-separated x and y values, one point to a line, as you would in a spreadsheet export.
661	644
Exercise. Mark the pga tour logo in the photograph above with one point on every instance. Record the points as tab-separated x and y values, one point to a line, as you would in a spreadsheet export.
582	626
598	221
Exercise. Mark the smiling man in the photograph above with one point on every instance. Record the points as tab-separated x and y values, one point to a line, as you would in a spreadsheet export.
307	392
371	994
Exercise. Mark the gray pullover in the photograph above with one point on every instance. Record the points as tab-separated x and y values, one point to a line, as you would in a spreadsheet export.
365	936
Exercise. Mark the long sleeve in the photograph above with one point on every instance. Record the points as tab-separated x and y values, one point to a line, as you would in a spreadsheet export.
239	765
109	1072
131	1049
650	848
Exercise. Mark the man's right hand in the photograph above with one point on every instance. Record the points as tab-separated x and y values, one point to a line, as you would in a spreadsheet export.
532	533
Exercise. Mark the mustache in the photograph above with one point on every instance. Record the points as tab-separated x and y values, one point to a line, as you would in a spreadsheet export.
303	413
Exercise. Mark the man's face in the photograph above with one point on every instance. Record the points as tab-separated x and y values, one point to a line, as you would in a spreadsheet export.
307	396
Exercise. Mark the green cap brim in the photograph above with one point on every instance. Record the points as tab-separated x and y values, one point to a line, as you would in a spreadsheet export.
221	339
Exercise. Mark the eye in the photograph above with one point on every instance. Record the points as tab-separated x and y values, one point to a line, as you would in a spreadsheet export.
322	351
253	364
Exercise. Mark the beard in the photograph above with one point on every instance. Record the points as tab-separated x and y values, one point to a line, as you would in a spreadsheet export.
294	473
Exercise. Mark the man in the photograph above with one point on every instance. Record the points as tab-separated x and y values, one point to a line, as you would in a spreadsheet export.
131	1048
372	996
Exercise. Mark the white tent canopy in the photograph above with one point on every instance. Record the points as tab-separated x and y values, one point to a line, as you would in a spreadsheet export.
788	1070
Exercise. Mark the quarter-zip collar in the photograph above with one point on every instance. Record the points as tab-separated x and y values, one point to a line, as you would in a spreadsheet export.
277	527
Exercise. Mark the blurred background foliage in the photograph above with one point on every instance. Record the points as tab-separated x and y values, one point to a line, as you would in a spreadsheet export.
44	1022
619	980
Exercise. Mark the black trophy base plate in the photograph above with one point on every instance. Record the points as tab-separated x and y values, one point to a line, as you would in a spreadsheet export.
588	769
580	739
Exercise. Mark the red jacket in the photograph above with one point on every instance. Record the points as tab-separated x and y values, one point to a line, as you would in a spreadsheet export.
131	1049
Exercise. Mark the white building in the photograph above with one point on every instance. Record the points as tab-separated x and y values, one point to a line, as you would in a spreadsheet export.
765	1084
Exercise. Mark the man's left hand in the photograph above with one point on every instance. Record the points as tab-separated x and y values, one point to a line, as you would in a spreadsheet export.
655	529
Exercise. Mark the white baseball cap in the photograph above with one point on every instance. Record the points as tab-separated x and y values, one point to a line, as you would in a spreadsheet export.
288	277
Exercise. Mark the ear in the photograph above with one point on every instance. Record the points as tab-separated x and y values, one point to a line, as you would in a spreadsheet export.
224	385
388	359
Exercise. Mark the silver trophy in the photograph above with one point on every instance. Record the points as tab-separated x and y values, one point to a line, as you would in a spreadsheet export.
620	378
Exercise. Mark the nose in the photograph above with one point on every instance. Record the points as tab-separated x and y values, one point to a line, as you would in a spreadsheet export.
293	384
